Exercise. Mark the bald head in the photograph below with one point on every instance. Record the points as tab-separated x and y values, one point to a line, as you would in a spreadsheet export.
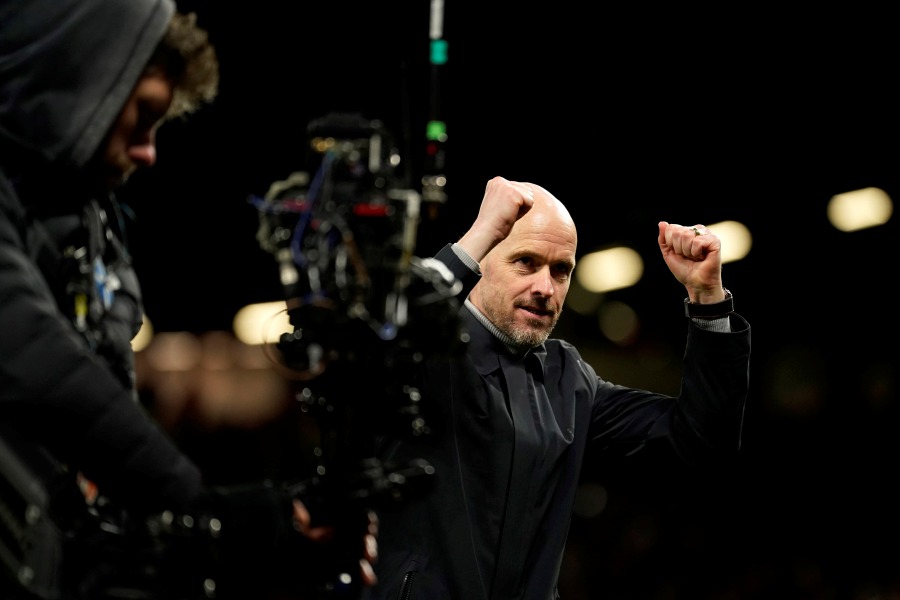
525	276
551	207
547	219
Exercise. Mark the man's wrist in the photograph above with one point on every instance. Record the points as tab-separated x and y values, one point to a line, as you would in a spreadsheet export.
465	258
710	311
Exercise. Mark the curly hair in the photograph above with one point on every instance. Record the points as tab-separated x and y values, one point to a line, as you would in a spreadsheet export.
187	57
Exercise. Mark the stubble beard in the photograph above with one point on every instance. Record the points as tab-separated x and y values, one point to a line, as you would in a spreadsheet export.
533	333
105	178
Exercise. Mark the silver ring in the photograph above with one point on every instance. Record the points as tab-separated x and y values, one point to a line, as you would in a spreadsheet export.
695	230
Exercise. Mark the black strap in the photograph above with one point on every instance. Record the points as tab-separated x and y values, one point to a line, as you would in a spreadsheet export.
710	311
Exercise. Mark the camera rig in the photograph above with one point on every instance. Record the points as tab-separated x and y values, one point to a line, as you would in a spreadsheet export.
365	310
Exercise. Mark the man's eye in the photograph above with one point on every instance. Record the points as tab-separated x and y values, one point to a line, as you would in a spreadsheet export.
563	271
150	119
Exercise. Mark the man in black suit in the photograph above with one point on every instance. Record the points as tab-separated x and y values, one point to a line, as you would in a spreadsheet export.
513	420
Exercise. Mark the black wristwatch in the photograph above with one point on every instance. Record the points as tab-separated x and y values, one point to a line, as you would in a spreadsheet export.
710	311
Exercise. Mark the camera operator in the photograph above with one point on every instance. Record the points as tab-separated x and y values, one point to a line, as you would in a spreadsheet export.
84	85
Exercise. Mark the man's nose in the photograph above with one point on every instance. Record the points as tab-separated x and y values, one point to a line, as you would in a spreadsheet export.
543	283
142	149
143	154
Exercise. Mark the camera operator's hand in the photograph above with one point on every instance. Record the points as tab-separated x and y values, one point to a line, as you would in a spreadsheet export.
326	535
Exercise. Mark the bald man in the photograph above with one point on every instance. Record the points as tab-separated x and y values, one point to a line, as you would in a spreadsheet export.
512	419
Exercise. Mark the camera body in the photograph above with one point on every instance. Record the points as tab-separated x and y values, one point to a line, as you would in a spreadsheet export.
365	310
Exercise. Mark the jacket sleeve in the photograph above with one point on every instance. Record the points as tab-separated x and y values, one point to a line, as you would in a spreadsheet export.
702	425
714	388
58	394
460	270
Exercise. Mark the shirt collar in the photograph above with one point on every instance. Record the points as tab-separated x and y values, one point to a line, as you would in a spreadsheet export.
516	350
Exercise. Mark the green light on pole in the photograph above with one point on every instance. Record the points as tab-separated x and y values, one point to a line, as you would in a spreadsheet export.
436	131
438	52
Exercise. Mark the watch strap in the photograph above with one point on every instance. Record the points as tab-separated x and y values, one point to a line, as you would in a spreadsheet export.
710	311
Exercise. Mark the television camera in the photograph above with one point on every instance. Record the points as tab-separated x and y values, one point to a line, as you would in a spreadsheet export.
365	310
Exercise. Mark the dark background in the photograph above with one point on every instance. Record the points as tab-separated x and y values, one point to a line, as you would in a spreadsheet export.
630	116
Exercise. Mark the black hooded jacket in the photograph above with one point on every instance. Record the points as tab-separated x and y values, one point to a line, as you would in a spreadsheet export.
70	304
66	70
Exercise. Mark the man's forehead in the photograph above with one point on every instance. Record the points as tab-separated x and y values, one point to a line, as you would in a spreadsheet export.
545	249
545	228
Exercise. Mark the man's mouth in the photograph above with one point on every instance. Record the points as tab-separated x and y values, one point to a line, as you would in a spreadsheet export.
537	311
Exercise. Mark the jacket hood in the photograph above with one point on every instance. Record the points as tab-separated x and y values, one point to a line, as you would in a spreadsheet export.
67	67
